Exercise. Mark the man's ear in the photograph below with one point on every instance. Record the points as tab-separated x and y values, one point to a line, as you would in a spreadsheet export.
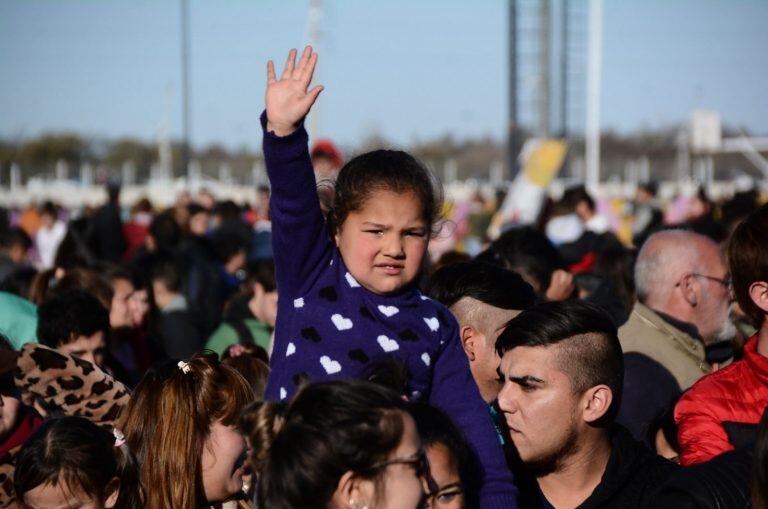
112	491
469	338
758	292
689	286
596	402
353	492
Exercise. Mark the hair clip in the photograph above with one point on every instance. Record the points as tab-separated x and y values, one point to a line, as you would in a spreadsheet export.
119	437
184	367
236	350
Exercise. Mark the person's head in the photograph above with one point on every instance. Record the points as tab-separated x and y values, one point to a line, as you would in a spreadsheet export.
563	372
15	244
448	454
578	200
75	323
483	298
385	205
646	192
121	281
260	278
326	159
165	279
530	254
748	261
181	425
343	444
683	274
71	463
199	219
251	361
164	233
231	242
48	214
113	192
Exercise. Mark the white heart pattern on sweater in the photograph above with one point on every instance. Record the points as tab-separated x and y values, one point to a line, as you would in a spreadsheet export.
341	323
433	323
331	366
425	357
388	345
290	350
388	310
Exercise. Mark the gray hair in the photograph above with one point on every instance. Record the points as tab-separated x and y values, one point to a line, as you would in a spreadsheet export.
664	258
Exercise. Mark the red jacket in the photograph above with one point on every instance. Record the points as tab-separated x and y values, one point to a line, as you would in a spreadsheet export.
721	405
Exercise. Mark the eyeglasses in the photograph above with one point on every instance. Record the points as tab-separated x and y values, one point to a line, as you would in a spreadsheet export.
726	282
420	464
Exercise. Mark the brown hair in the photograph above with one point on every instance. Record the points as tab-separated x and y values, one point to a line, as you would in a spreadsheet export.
748	260
46	284
168	420
302	449
252	362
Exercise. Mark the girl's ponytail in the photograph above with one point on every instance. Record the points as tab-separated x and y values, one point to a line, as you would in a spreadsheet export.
262	421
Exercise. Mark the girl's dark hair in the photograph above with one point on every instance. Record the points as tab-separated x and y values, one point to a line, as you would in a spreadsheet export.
436	428
389	170
78	455
302	449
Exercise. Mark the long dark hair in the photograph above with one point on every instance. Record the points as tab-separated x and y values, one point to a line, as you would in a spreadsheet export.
302	449
78	455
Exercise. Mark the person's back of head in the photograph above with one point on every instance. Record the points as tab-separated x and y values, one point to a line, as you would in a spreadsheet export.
331	443
252	362
180	424
483	298
70	459
530	254
74	322
482	282
748	262
164	233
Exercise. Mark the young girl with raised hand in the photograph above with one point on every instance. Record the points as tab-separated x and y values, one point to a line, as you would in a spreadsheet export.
347	289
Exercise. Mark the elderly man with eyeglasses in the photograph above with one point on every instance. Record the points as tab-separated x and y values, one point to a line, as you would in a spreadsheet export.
683	305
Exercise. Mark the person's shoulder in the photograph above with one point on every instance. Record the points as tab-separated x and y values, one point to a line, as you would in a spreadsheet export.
724	382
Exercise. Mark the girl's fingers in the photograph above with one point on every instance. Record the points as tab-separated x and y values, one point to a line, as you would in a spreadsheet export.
308	70
271	73
312	94
305	56
289	64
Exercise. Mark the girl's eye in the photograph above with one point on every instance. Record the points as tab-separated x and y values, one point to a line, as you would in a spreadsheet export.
415	233
374	232
445	498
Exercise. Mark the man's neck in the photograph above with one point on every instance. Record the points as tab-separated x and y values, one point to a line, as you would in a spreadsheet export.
578	477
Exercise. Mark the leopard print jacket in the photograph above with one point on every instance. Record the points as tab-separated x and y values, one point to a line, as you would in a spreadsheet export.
70	386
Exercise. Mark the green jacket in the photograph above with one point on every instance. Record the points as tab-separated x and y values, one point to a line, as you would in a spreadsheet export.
226	335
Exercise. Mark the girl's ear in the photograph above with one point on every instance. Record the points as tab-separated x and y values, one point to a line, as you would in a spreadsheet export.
111	492
353	492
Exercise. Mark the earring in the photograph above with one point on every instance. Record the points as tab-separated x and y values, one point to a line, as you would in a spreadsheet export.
355	505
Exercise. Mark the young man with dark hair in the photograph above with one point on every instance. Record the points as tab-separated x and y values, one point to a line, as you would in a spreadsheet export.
75	323
721	411
562	368
483	298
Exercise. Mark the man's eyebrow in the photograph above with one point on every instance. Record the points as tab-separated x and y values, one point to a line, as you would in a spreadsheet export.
526	380
376	225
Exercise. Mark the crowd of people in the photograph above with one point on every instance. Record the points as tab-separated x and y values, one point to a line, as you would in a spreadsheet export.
308	352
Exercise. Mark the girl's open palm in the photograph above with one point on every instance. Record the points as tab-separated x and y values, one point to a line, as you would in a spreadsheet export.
288	99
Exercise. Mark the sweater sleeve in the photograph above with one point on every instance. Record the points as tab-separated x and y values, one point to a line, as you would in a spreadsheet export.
455	392
300	243
74	386
699	431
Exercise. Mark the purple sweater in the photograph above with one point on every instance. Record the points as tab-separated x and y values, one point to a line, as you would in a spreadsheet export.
330	327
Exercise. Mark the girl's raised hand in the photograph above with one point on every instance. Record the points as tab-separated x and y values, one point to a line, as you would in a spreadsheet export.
288	99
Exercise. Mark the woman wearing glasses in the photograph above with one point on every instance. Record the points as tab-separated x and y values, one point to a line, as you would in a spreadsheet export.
344	444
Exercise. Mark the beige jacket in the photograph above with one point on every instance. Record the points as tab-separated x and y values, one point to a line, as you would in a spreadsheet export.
649	334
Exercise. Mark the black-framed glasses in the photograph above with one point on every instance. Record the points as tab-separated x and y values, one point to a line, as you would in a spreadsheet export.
420	464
